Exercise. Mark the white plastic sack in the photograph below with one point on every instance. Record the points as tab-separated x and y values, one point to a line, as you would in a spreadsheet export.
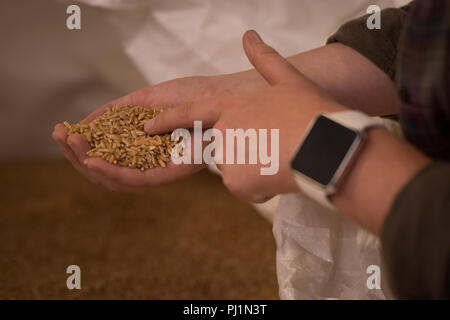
320	254
172	38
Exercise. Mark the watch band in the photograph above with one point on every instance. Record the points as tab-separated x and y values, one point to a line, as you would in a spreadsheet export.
316	193
354	120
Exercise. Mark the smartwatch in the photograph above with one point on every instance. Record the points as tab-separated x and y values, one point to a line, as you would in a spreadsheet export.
330	145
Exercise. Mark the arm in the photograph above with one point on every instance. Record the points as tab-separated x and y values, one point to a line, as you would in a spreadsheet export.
398	193
368	192
345	74
384	166
348	76
393	189
415	238
358	65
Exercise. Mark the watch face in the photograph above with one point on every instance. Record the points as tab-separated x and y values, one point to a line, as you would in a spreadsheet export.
326	147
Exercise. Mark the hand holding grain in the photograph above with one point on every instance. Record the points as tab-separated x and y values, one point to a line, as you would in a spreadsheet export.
164	95
118	137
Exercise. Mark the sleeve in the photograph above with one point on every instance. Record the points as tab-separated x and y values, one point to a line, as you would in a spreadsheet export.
378	45
416	236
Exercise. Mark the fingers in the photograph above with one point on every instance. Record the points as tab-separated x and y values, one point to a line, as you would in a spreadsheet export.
113	177
244	192
208	111
160	96
135	179
77	152
75	146
79	145
60	136
142	97
59	133
268	62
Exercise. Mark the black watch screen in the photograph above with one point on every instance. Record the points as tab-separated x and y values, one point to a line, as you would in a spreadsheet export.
325	149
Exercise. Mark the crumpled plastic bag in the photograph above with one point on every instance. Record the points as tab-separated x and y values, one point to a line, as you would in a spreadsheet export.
171	38
320	254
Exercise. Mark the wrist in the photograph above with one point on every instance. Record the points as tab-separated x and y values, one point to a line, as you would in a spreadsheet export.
246	81
385	164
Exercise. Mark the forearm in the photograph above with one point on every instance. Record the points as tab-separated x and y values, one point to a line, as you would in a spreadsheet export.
385	165
347	76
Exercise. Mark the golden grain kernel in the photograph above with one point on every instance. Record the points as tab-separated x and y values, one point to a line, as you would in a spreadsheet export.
118	136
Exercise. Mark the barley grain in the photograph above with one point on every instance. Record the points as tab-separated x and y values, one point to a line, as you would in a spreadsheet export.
118	136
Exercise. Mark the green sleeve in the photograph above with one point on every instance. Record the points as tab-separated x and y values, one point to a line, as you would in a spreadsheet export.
378	45
416	236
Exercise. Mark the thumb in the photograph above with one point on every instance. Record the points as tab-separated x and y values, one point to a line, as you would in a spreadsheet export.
268	62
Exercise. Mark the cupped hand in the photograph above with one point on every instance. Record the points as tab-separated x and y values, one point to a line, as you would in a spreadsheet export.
164	95
289	105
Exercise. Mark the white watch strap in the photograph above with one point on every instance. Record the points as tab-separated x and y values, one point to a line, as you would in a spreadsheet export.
353	119
315	192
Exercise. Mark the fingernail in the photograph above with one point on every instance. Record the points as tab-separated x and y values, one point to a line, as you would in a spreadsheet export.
253	37
149	124
88	164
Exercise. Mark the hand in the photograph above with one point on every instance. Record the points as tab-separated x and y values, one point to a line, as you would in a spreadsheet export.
163	95
289	105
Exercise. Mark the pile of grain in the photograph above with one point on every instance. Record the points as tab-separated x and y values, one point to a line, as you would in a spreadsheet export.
118	136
